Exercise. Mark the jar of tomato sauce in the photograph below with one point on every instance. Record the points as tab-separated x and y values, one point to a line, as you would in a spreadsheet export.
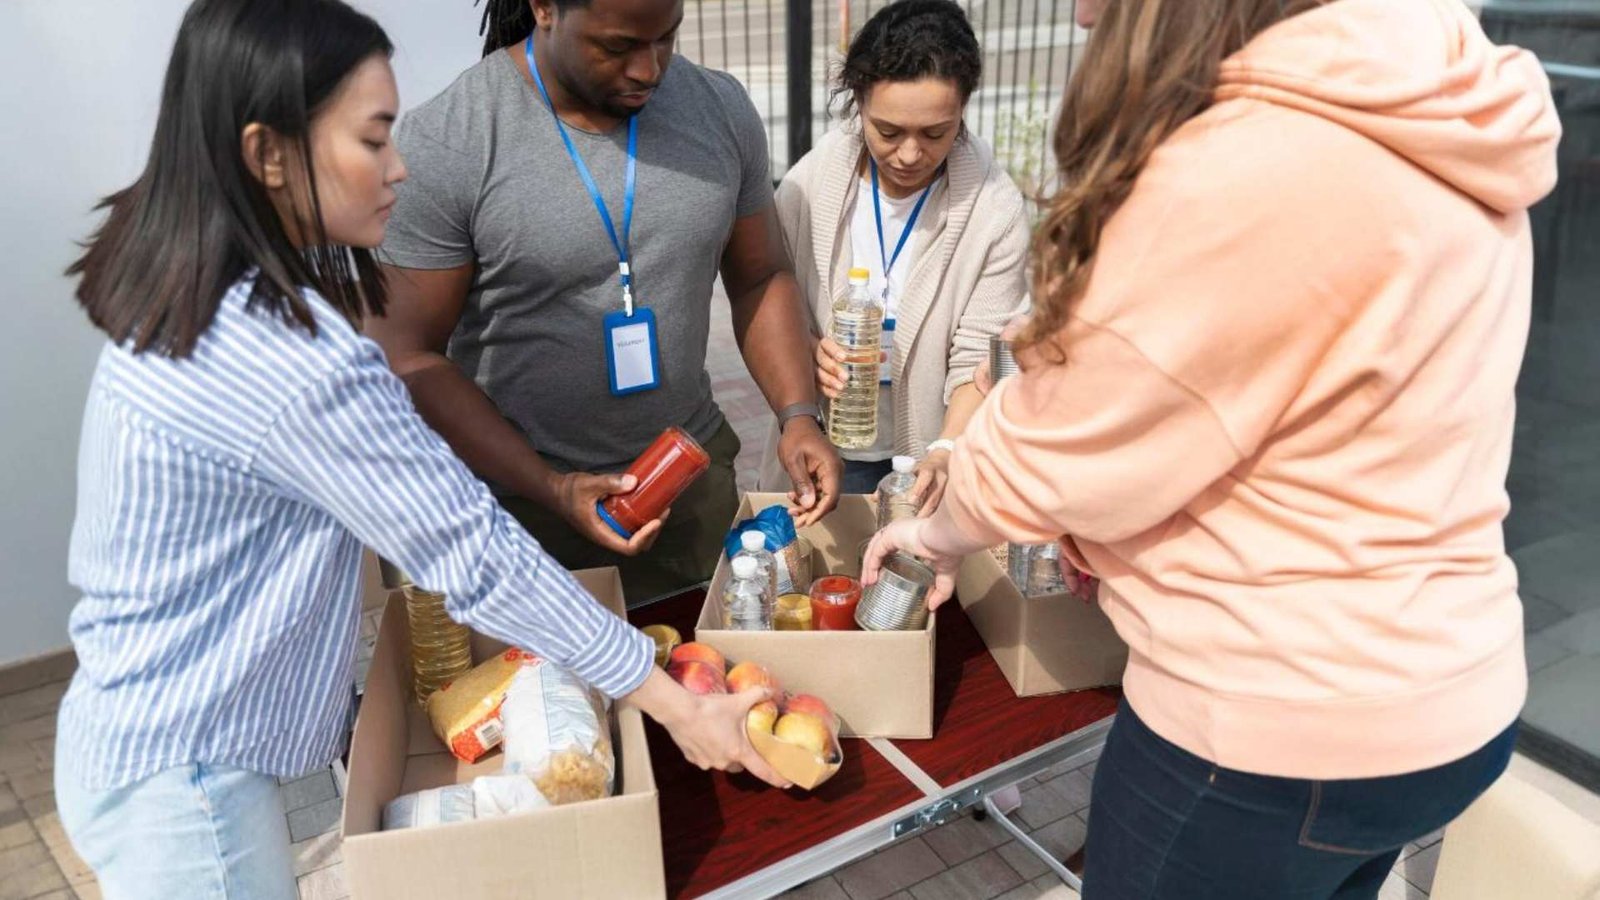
663	471
833	603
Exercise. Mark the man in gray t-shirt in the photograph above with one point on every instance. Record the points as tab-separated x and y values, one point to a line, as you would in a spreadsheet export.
502	271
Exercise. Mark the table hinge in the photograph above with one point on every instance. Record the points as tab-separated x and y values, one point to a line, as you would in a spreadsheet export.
938	813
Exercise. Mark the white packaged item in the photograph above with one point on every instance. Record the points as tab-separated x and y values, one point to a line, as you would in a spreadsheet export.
555	734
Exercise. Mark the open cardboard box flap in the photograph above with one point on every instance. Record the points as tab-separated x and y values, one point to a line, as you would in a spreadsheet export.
601	849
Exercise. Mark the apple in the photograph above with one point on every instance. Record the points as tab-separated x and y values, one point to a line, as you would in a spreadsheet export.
748	675
698	677
762	717
806	704
697	652
804	730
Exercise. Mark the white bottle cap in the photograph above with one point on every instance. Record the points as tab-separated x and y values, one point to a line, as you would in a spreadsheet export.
744	567
904	463
753	540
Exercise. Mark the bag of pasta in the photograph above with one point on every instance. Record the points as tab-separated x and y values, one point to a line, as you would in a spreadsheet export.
556	733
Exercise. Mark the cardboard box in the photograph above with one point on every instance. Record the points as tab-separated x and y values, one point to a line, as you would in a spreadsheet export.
601	849
880	683
1046	644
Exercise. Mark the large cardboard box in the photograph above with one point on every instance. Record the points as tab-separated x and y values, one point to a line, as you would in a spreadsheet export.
879	682
1046	644
603	849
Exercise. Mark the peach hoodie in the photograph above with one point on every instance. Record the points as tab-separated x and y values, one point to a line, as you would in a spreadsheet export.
1282	435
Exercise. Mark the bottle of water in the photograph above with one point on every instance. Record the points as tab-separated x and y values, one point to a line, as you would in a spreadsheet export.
894	492
755	547
858	330
747	597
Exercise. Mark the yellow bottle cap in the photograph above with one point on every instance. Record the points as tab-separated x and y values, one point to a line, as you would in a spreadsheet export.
860	275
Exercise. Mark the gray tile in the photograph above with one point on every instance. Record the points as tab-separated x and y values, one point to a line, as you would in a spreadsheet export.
1561	701
318	818
961	839
42	805
40	726
1397	888
824	888
1539	613
1055	799
1428	840
308	790
18	757
1579	633
31	703
983	876
317	852
1543	651
1061	839
894	869
66	858
64	894
16	834
324	884
31	785
87	891
1419	867
1049	887
29	872
1564	570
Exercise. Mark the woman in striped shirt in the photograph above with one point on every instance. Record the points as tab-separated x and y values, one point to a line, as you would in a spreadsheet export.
242	442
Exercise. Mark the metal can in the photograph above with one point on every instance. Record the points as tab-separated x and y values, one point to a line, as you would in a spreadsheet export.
898	600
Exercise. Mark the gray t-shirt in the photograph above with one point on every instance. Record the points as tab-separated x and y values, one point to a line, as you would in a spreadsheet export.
490	182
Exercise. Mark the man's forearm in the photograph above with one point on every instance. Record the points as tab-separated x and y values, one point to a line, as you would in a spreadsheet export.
771	327
473	426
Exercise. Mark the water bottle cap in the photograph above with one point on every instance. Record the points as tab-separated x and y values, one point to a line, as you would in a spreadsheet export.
744	567
860	276
904	463
753	540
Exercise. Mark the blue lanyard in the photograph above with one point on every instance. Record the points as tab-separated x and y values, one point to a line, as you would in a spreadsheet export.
877	213
622	244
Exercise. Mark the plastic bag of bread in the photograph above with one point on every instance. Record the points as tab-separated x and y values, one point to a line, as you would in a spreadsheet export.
556	734
466	712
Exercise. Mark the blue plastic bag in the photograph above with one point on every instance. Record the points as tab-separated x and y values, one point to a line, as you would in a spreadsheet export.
773	522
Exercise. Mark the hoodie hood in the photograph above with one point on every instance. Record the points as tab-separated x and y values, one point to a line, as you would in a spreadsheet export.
1422	79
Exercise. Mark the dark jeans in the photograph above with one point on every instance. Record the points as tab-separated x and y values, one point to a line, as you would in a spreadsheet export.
1167	824
688	547
863	477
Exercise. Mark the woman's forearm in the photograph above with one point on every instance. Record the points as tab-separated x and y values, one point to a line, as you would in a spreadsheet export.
964	401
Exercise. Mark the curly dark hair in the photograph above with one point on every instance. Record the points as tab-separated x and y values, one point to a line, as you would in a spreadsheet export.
909	40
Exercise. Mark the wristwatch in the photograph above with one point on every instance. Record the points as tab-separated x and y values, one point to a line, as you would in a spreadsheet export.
799	409
944	444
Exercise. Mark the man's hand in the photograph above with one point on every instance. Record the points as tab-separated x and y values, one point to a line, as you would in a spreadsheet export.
814	467
575	495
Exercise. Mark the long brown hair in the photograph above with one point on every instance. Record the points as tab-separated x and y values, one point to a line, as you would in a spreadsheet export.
1150	66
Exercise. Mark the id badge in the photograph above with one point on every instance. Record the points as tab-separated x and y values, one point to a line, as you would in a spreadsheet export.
886	343
632	351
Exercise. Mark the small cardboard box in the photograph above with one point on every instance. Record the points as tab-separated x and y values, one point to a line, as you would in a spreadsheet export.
880	683
1046	644
601	849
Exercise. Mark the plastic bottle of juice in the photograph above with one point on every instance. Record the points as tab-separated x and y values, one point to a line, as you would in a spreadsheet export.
858	330
754	545
747	597
894	492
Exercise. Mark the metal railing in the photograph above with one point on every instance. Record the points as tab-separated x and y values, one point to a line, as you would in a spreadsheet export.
1029	47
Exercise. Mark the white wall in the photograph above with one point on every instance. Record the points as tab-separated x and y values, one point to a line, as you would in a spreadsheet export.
79	85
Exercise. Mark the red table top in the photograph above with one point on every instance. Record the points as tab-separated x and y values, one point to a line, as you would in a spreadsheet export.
717	829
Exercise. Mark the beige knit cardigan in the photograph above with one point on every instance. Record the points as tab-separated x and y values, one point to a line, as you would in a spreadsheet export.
968	279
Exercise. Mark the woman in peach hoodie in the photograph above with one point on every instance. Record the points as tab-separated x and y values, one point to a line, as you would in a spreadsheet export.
1280	310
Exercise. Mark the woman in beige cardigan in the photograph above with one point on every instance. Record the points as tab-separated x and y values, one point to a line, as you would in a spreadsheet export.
948	258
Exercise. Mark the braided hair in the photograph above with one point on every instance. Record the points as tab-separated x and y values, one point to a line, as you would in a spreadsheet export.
506	22
908	40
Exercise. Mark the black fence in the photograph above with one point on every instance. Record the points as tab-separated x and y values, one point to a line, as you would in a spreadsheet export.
1029	47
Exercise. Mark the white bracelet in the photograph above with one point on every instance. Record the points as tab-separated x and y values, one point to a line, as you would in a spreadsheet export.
944	444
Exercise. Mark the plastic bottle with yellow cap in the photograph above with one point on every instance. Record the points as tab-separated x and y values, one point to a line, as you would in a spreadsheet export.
858	330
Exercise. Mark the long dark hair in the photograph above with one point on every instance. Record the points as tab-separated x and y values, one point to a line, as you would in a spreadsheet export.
909	40
197	220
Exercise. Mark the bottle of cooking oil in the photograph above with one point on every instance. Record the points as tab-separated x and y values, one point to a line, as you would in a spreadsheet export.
857	329
440	647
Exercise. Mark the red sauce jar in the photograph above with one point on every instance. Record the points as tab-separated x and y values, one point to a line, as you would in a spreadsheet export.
833	603
668	466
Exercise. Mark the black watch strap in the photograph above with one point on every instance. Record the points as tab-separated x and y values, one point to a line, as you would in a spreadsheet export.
799	409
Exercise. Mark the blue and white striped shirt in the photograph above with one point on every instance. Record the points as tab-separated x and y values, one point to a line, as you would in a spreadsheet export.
223	501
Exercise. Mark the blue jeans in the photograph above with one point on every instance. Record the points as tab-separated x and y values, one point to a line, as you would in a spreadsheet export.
193	831
863	477
1165	823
